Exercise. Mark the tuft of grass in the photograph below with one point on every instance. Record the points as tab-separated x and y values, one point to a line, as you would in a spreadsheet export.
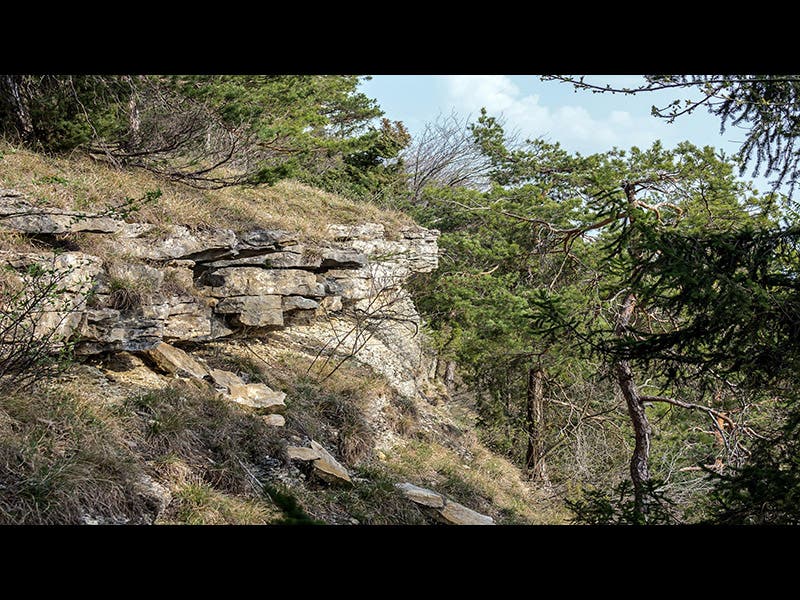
124	294
293	513
201	504
403	415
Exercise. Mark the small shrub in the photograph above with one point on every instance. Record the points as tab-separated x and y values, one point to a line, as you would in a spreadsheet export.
618	507
201	504
124	295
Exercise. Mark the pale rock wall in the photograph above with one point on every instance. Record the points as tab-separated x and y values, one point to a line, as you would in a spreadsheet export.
341	298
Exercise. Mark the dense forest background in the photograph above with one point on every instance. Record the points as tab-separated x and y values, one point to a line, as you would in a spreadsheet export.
626	323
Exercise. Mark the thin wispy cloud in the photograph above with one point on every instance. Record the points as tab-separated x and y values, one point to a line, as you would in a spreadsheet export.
571	124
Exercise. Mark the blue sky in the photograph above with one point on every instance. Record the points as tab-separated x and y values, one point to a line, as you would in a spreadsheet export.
580	121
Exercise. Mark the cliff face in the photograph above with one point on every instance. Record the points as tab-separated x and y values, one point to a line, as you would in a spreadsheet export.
341	297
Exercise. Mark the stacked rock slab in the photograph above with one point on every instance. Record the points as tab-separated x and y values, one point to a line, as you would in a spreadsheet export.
176	362
208	284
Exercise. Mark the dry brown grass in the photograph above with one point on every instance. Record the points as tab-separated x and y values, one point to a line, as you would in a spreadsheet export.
66	456
80	183
63	458
13	241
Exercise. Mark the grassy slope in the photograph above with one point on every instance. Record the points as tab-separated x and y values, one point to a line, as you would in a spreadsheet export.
79	446
81	183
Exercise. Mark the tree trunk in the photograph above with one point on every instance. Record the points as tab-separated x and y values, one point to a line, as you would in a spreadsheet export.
534	417
12	88
450	373
640	471
134	122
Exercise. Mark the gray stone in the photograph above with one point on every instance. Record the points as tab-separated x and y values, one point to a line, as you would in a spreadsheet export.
135	230
253	281
18	214
364	231
253	311
187	320
263	239
105	330
245	261
326	467
155	311
231	383
178	277
274	420
353	285
180	242
421	495
254	395
332	286
297	258
258	395
454	513
347	258
301	453
175	361
294	258
299	303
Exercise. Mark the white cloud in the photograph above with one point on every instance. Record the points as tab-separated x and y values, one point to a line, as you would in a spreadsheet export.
572	125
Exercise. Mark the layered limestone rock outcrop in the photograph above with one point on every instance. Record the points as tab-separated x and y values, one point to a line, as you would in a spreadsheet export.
170	283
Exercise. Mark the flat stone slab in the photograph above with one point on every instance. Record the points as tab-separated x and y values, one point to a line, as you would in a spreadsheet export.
326	467
446	510
458	514
421	495
175	361
301	453
253	311
255	281
254	395
17	213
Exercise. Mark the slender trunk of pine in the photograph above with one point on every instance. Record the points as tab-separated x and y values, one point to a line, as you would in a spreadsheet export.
534	416
640	471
